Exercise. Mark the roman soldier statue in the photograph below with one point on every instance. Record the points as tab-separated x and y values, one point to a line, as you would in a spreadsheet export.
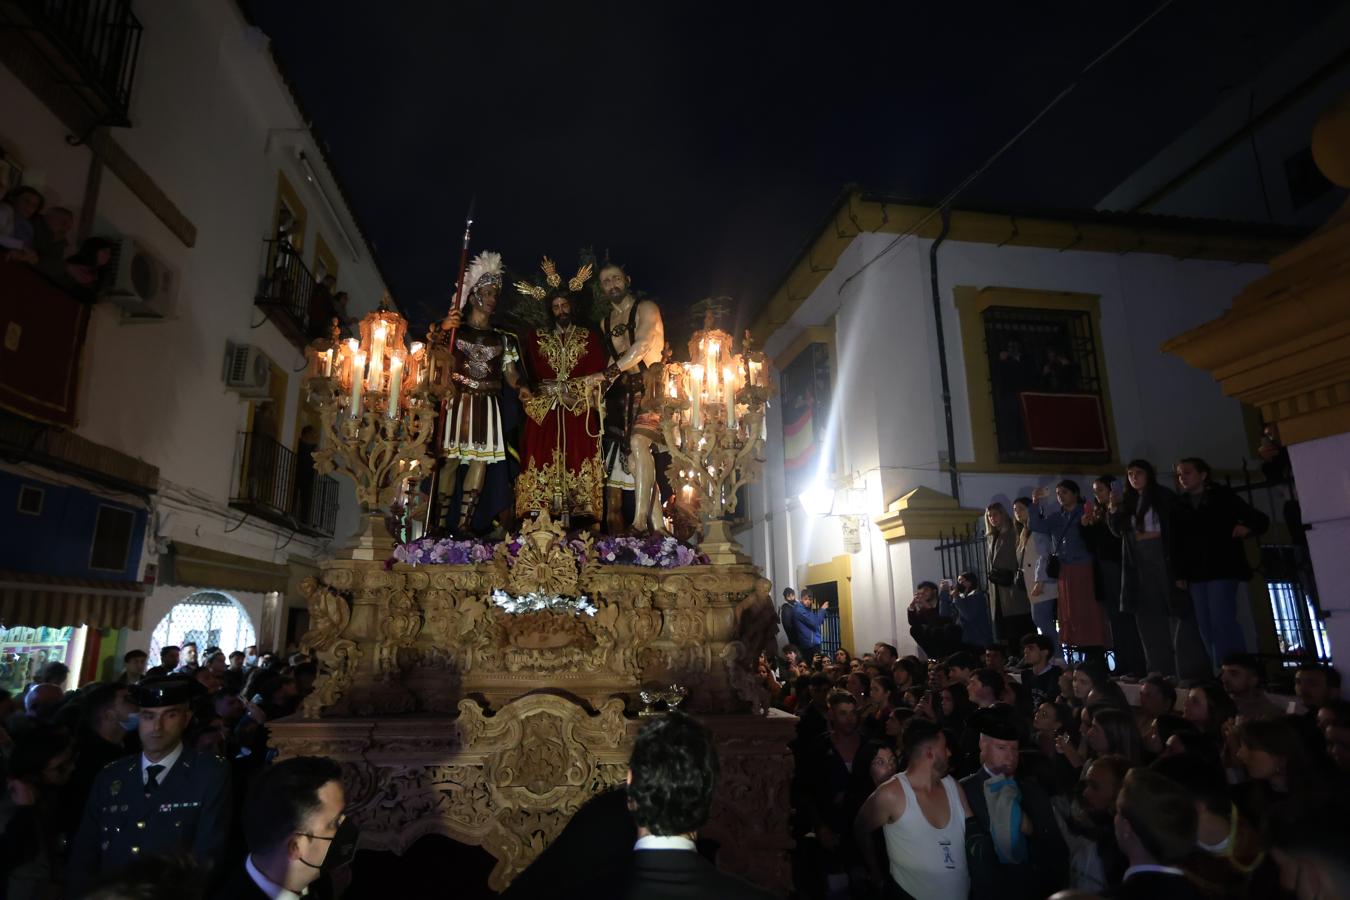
482	358
634	337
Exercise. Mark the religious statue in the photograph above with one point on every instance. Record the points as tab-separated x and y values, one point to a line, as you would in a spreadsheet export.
561	468
634	337
481	359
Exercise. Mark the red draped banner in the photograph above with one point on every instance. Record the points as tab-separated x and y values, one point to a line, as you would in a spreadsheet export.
1065	423
42	330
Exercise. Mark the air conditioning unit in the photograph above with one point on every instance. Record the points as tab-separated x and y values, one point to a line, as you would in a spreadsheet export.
248	371
139	281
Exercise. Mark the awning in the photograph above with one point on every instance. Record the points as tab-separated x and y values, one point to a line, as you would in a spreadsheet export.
56	601
192	566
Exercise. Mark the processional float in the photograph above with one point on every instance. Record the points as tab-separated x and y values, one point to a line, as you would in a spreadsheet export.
485	690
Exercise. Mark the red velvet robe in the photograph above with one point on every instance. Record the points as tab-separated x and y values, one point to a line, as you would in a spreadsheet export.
560	462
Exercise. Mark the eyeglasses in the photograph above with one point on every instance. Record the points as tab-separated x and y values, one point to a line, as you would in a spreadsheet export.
342	817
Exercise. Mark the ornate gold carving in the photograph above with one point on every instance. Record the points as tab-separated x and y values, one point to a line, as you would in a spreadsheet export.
519	775
546	631
328	614
373	449
340	660
580	492
544	756
544	563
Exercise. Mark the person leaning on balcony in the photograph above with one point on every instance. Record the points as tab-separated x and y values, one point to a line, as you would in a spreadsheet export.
321	309
1210	556
17	212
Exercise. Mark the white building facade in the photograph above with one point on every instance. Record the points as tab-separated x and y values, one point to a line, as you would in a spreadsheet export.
216	149
1110	290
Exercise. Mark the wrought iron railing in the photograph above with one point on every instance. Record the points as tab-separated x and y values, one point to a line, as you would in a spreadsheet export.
93	45
289	295
962	551
275	484
1286	564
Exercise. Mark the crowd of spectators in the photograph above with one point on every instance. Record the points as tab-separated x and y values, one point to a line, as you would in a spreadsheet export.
64	827
1060	782
1137	576
1031	776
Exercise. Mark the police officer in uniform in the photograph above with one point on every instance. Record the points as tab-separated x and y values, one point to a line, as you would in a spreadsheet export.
168	799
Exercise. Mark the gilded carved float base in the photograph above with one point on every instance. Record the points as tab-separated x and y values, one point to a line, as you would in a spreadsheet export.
509	782
457	709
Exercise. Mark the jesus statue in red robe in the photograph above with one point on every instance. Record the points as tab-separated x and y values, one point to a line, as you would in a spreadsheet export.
560	459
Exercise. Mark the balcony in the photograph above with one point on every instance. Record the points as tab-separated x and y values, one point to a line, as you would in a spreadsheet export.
91	46
288	295
274	484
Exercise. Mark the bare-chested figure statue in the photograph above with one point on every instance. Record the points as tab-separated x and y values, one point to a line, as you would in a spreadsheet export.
634	336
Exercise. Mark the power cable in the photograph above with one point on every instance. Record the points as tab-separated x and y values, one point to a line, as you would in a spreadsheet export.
984	167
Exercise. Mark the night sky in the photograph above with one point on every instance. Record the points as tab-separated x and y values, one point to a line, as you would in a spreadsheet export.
703	144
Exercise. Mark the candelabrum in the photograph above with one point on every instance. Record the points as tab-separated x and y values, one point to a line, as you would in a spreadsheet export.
713	420
377	401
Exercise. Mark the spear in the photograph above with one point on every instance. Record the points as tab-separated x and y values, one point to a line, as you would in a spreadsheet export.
457	302
433	508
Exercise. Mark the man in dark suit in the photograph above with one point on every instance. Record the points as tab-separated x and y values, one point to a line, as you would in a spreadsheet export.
596	845
165	800
671	777
1156	822
296	831
1029	858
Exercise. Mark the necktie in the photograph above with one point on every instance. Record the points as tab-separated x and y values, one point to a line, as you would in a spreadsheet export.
152	777
1003	798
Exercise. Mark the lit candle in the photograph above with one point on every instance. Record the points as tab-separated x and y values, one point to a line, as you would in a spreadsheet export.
328	363
377	355
358	379
695	389
415	364
711	369
395	380
754	372
729	387
349	351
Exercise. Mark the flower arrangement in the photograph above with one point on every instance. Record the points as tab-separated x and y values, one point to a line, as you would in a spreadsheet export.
446	552
655	551
537	602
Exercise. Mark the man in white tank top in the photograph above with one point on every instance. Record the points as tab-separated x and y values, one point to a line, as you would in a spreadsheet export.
922	814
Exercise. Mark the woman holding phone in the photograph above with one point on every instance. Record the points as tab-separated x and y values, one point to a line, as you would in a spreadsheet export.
1082	622
1106	551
